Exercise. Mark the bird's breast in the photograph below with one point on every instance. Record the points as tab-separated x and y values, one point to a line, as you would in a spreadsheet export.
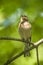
25	30
26	25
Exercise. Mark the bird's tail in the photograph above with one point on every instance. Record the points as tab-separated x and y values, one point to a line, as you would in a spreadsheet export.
26	53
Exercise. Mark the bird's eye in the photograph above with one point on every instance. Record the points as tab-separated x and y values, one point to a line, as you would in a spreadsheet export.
22	22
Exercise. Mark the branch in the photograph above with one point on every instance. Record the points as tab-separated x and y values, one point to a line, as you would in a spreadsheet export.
9	38
39	42
37	55
14	58
14	39
34	46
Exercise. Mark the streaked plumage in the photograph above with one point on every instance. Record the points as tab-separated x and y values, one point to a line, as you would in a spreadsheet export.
25	32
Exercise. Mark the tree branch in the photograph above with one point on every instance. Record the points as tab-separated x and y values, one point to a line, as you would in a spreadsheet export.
9	38
39	42
37	55
34	46
14	58
14	39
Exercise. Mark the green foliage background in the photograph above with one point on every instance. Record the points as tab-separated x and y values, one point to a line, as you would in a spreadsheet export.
34	11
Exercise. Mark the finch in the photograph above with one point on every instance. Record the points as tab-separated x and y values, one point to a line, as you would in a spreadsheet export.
25	33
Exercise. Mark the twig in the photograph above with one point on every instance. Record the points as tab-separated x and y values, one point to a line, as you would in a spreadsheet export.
14	39
37	56
9	38
14	58
39	42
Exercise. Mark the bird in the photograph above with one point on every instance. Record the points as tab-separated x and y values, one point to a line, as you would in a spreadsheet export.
24	29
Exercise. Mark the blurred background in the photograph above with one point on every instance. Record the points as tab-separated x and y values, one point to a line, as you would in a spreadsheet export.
10	12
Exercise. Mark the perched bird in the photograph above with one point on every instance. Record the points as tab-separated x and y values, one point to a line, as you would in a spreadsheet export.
25	33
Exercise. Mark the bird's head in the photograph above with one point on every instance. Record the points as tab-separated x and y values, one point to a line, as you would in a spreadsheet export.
24	18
